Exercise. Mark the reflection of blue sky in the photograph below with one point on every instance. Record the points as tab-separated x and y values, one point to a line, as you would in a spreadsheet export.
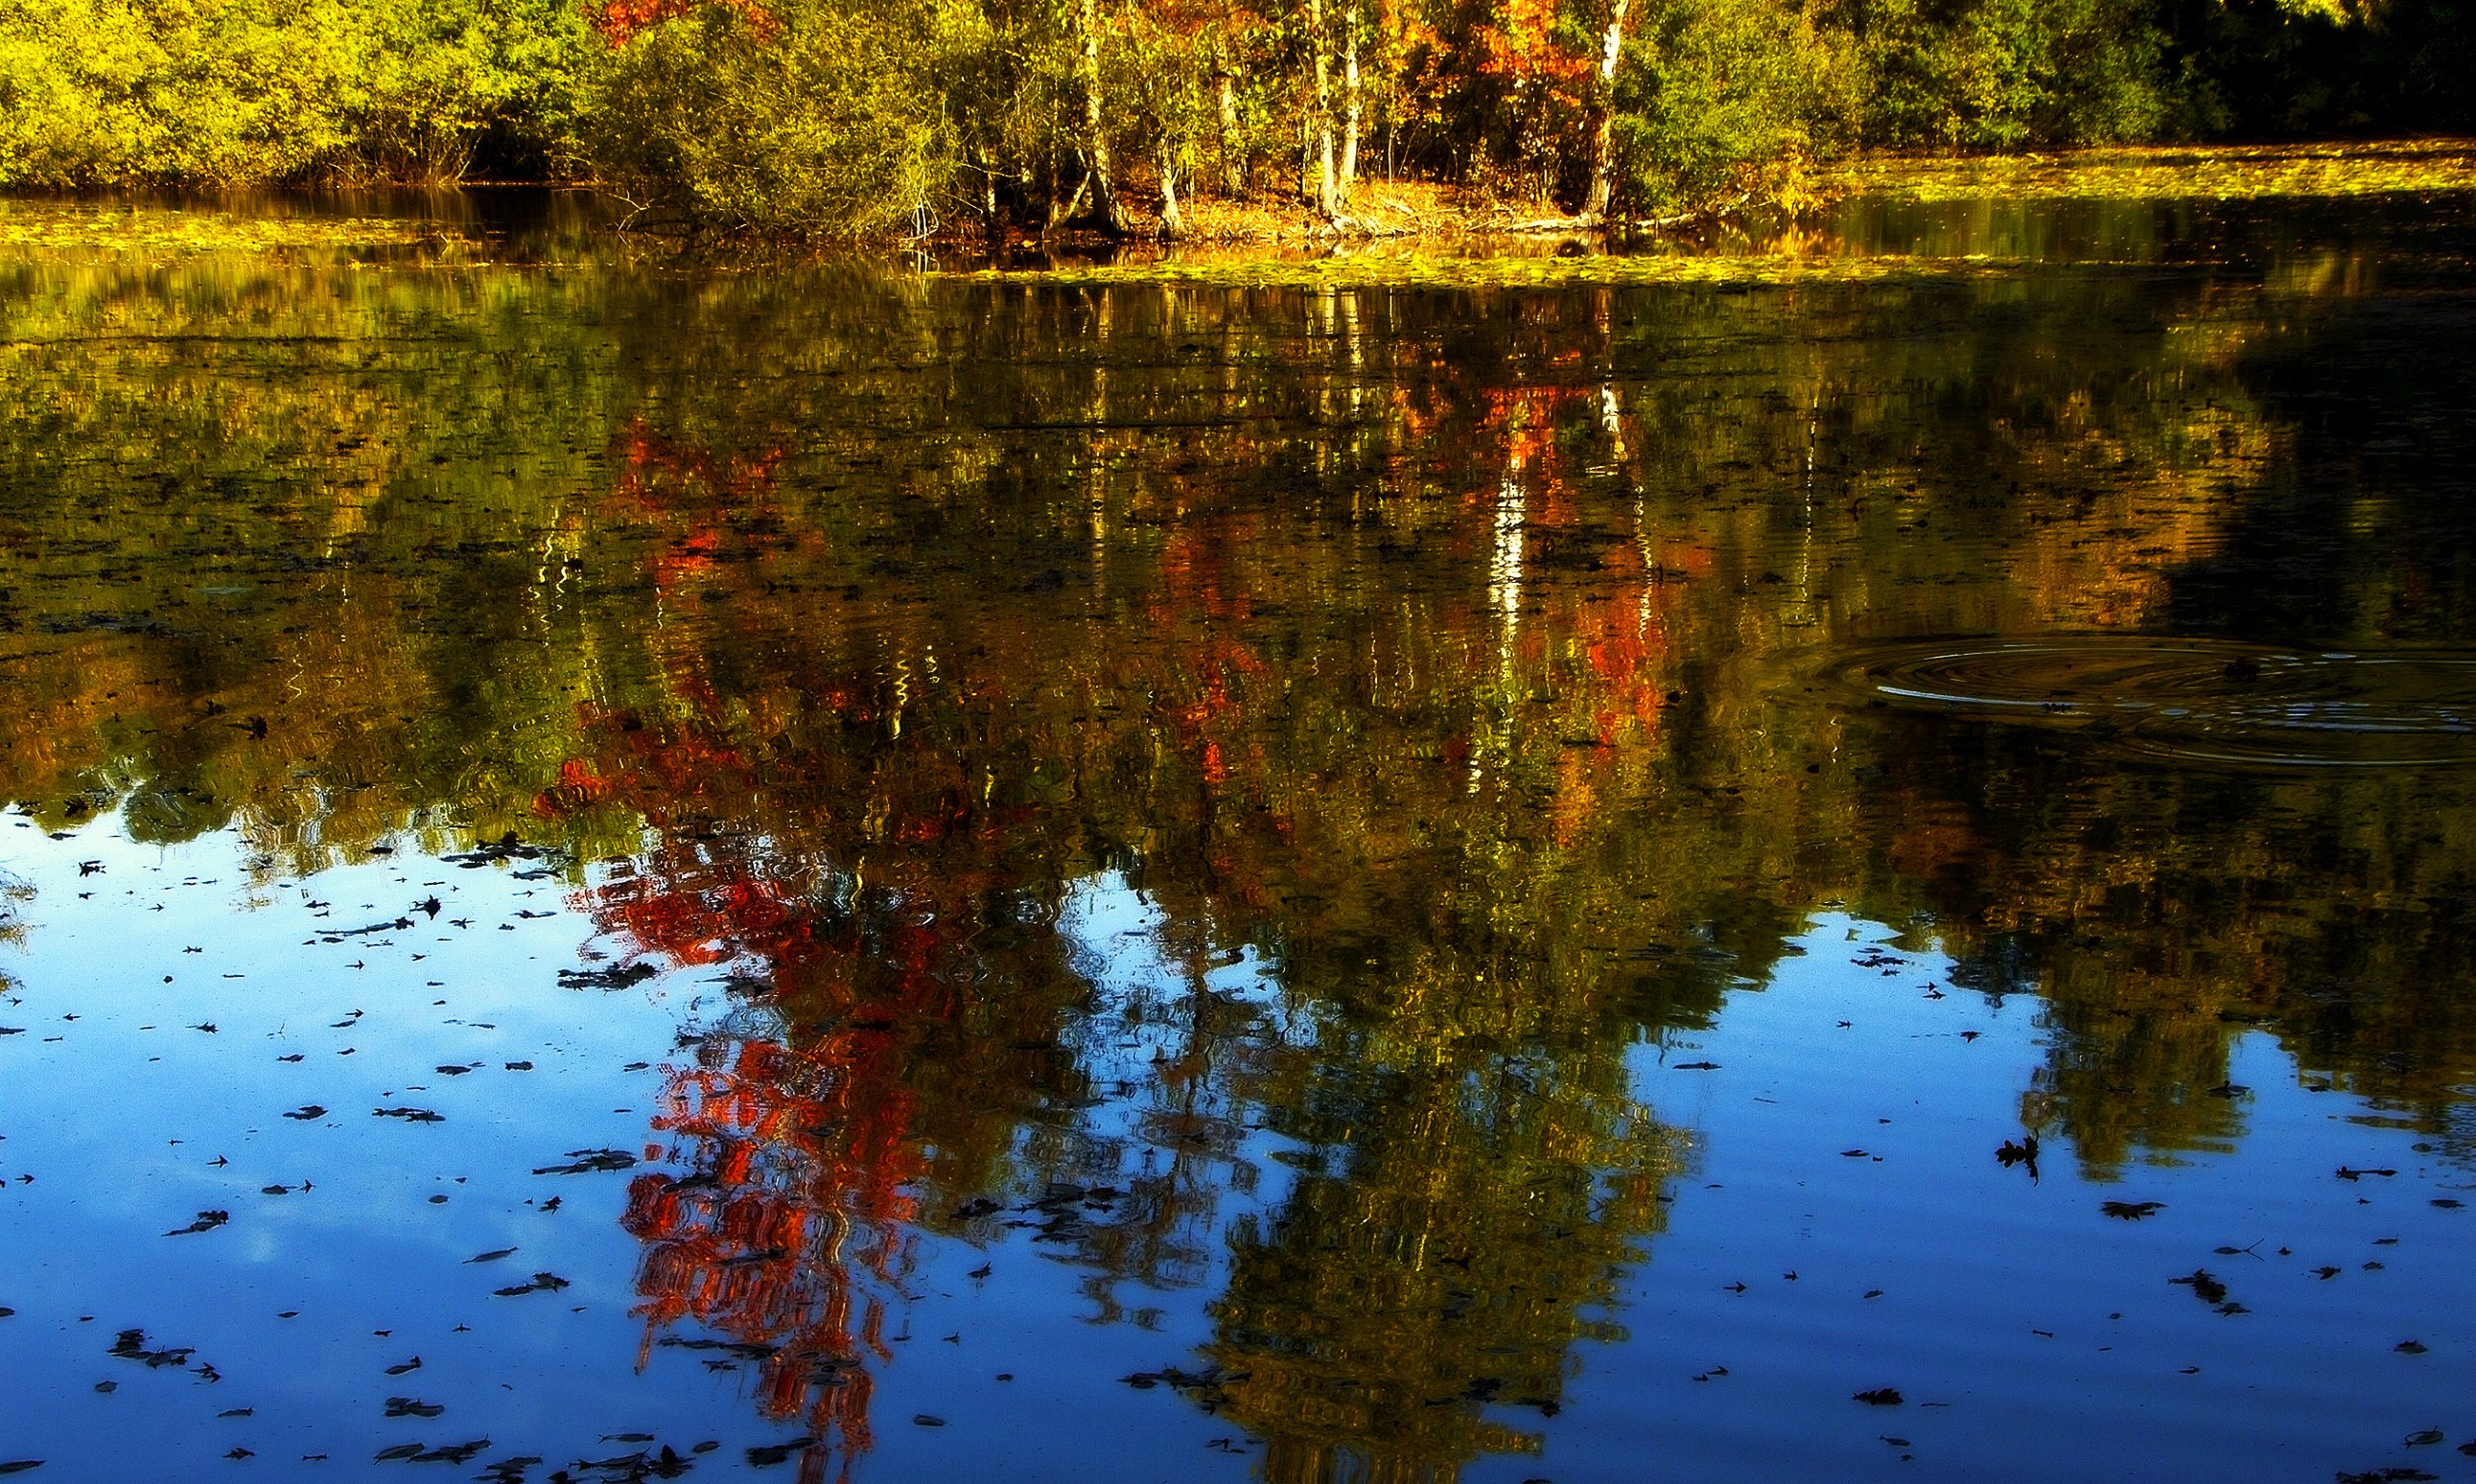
94	1115
122	1117
1140	1016
2048	1333
1142	1021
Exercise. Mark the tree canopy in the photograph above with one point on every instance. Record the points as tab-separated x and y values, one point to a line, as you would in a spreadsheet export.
855	117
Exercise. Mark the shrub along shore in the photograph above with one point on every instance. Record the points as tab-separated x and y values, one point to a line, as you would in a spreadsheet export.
1220	118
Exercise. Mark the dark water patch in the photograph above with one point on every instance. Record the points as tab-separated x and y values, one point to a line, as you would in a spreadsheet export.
2193	701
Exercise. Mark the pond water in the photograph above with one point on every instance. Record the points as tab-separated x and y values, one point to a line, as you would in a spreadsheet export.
616	870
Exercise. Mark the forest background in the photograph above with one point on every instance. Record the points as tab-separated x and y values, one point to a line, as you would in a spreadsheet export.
858	117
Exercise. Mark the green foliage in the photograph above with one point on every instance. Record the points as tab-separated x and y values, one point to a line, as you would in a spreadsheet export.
823	119
828	119
2256	68
207	91
1007	101
1719	96
444	79
1165	74
2002	74
232	92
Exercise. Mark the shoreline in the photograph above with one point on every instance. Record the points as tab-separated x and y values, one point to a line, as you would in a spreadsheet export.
1443	220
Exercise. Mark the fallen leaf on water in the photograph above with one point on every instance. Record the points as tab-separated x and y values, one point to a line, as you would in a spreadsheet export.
1880	1396
2206	1288
542	1283
2131	1210
208	1220
589	1160
455	1453
133	1346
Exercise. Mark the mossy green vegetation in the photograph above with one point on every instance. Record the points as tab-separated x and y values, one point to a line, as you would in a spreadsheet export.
158	231
2219	173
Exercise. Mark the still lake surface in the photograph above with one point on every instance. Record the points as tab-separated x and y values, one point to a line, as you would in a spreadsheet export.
619	869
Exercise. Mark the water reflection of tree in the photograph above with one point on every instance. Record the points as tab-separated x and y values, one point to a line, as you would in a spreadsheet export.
876	1074
1452	1234
1448	652
858	783
2161	913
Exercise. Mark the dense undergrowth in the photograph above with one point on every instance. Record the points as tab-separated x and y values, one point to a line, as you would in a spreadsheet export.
855	117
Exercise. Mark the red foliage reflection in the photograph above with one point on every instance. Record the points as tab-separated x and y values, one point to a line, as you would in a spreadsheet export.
793	1231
